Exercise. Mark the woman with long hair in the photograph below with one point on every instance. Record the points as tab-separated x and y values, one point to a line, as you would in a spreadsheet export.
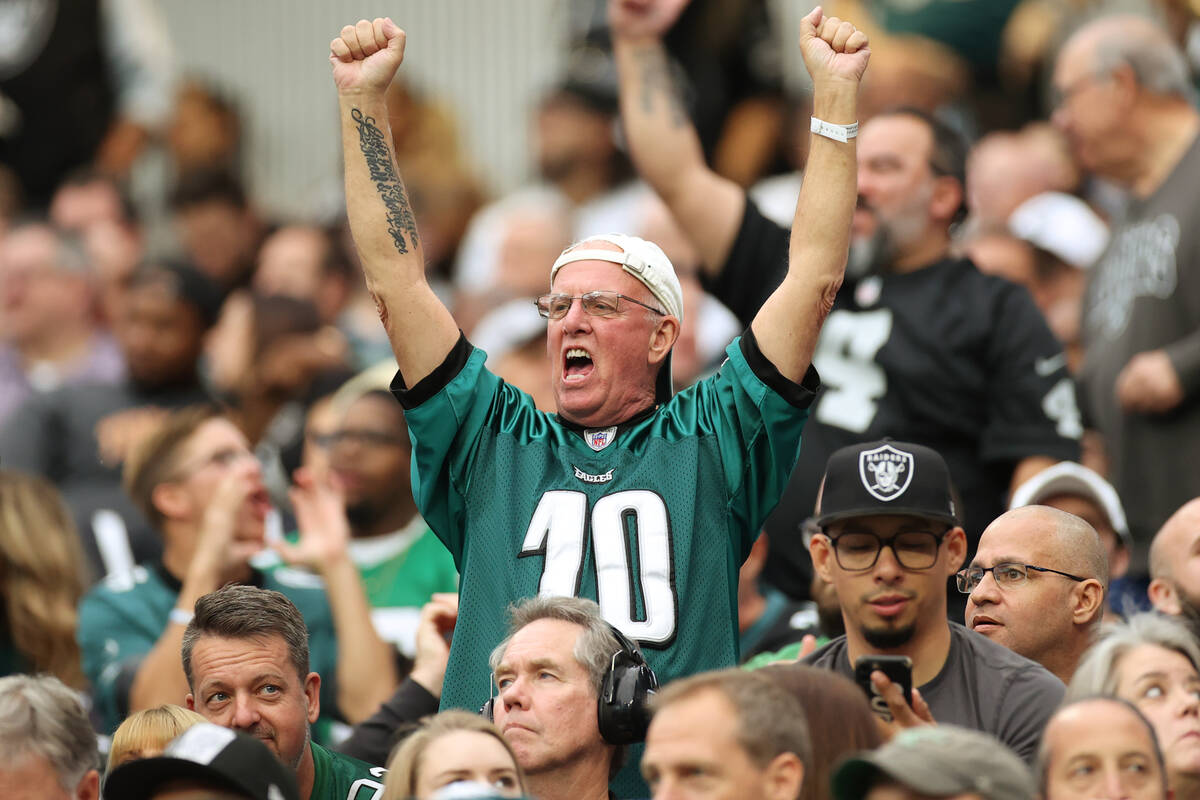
41	580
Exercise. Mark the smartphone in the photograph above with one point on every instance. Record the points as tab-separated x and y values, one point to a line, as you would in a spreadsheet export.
898	669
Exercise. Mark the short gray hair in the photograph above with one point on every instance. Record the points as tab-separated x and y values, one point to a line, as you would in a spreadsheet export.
595	646
1097	672
42	716
1156	61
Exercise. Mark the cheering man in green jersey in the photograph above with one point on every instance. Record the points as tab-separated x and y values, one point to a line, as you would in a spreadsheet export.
644	502
245	655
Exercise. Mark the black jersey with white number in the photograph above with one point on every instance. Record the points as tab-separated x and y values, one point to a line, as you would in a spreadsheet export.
944	356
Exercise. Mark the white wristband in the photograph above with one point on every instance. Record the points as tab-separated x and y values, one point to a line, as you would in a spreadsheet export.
180	616
839	133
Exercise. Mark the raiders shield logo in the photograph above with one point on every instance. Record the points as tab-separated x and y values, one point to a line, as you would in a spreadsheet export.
885	471
599	438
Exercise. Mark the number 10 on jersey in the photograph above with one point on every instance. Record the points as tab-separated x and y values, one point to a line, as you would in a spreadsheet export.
631	545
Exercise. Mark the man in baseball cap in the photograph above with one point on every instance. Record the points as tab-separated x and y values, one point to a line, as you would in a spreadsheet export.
1078	490
887	536
946	761
208	757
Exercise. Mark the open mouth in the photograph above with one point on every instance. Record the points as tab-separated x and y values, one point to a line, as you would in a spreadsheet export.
577	364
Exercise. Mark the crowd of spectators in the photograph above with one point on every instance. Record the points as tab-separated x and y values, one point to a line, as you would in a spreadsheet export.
759	526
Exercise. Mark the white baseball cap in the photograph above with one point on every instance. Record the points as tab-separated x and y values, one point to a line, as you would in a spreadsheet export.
1067	477
1061	224
642	259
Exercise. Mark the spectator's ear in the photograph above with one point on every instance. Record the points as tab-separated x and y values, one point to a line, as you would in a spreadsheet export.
821	551
312	696
190	701
956	549
1089	601
783	777
89	786
170	500
1164	596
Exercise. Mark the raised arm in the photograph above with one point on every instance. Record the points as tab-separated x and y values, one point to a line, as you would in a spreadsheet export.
787	325
421	330
662	139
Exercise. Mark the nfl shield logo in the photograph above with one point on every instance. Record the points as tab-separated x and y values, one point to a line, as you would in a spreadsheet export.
600	438
885	471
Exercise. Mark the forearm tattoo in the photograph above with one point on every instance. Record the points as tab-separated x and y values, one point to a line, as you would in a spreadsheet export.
655	72
383	174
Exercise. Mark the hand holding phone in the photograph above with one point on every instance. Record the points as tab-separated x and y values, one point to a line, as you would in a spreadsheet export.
898	670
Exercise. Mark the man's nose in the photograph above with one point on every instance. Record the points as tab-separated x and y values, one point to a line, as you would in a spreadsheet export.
986	591
245	714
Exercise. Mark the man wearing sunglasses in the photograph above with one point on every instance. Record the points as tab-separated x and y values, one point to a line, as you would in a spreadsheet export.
1036	585
645	502
887	535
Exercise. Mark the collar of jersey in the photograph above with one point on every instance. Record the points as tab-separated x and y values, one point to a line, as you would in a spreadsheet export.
377	549
620	426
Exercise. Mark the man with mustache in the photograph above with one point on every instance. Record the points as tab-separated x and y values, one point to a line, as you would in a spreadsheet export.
889	538
245	655
919	345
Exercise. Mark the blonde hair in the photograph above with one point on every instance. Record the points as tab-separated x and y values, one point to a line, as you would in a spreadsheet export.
405	763
148	730
41	576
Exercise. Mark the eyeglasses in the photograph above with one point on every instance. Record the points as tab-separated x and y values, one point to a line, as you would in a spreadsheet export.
913	549
1006	575
362	438
598	304
226	457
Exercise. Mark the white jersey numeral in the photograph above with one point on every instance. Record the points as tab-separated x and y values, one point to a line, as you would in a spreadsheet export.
1061	408
854	383
626	527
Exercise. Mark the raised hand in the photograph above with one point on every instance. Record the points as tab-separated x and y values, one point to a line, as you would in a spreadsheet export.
366	55
220	554
833	49
643	18
321	521
438	617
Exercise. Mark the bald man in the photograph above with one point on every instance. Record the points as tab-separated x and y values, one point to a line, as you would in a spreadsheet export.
1036	585
1125	108
1100	747
1175	565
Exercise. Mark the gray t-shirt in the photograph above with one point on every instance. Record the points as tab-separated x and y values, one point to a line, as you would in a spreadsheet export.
983	686
1144	294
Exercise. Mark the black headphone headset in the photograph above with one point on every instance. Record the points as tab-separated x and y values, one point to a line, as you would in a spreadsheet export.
621	702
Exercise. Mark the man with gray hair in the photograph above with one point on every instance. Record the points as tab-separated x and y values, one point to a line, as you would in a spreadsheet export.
1100	747
1036	585
47	747
1125	105
571	692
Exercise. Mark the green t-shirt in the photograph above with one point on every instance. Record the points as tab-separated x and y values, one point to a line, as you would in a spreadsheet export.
339	777
400	571
122	617
651	519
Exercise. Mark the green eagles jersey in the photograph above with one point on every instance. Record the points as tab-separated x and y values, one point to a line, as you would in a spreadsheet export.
339	777
122	617
651	519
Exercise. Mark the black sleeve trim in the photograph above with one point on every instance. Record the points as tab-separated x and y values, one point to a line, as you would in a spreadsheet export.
800	395
437	380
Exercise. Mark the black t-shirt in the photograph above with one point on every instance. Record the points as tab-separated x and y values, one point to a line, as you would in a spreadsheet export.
983	686
944	356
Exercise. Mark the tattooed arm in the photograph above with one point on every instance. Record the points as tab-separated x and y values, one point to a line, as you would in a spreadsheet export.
662	139
422	331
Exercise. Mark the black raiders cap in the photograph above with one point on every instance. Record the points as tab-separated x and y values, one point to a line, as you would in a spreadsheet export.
886	477
213	756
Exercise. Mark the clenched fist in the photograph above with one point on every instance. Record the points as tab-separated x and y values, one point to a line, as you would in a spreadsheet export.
366	55
832	48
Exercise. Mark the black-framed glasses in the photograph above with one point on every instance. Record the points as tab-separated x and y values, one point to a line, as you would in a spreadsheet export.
858	551
1005	574
598	304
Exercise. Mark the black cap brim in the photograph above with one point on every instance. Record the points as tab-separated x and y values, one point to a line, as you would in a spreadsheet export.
139	780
